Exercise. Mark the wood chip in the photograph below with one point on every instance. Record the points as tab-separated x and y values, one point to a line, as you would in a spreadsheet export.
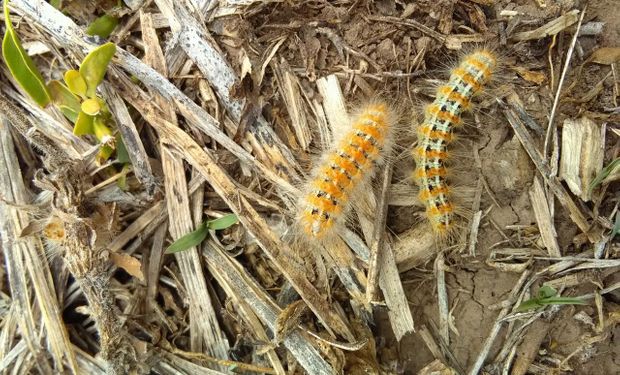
582	153
540	204
551	28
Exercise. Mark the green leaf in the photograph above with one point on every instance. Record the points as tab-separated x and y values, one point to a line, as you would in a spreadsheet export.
564	301
547	292
104	153
612	168
223	222
101	130
65	100
95	65
21	66
189	240
83	124
102	26
530	304
122	180
196	237
616	228
56	4
548	296
75	82
91	107
121	151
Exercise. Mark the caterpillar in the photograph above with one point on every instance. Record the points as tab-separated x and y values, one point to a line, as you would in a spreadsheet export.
343	169
435	134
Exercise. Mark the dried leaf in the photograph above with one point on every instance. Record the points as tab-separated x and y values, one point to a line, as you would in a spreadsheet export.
289	319
551	28
530	75
130	264
55	229
605	55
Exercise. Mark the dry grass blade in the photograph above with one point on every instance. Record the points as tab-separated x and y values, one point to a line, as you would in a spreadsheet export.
204	326
414	247
277	251
551	28
290	87
131	138
376	246
224	108
71	36
488	342
558	190
202	49
442	296
540	203
243	288
27	265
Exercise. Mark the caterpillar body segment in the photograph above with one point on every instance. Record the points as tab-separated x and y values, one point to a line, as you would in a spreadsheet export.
345	167
435	134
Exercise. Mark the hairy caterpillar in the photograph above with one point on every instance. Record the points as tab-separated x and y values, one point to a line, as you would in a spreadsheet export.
343	169
435	134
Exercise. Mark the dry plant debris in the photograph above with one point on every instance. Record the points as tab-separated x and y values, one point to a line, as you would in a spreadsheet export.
224	107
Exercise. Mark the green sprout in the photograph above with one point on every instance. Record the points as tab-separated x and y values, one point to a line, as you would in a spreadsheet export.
548	296
197	236
102	26
76	98
613	170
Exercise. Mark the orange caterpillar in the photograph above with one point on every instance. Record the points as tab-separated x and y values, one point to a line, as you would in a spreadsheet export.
343	169
435	134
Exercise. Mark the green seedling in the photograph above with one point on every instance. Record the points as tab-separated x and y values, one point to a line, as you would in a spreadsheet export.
76	97
21	66
616	228
102	26
197	236
610	172
548	296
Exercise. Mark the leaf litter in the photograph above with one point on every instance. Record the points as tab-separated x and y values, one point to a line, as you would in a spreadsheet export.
222	110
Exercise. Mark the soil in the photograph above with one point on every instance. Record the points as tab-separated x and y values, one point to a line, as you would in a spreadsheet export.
473	286
373	53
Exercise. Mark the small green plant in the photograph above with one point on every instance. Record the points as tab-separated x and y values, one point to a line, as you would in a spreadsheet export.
197	236
616	229
76	98
548	296
610	172
102	26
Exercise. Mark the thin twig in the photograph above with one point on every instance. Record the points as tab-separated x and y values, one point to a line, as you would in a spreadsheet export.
569	56
378	233
488	342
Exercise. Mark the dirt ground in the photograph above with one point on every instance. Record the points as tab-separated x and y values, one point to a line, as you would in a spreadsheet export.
400	51
473	285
